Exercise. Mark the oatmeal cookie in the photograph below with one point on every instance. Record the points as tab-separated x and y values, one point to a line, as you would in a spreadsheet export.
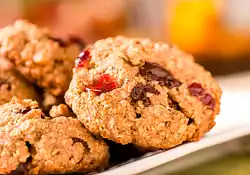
12	84
50	100
134	90
40	57
38	146
60	110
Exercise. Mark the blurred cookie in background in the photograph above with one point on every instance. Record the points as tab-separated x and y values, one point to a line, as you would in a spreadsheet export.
41	58
90	19
13	84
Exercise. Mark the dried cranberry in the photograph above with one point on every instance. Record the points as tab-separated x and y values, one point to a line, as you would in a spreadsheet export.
139	93
83	59
195	89
208	100
153	71
104	83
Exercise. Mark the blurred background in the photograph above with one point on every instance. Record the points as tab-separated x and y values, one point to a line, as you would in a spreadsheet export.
217	32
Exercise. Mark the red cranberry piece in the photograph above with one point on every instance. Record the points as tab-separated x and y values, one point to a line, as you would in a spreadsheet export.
104	83
83	59
153	71
208	100
195	89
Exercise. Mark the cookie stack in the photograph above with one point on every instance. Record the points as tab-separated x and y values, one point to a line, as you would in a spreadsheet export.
125	90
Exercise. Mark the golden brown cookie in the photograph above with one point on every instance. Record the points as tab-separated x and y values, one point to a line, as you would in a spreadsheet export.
134	90
43	59
50	100
38	145
60	110
12	84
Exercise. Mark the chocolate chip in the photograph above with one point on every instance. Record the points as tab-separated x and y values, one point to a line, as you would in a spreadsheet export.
139	93
138	115
167	124
28	145
150	89
31	149
153	71
76	140
43	115
147	102
190	121
173	104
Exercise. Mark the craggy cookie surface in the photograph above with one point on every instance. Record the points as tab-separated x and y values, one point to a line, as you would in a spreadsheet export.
41	58
133	90
40	146
12	84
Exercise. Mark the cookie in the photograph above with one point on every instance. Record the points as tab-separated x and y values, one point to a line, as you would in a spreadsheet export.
134	90
43	146
12	84
43	59
50	100
60	110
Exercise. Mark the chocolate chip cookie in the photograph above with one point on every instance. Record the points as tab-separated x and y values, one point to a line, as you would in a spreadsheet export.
134	90
43	59
12	84
32	143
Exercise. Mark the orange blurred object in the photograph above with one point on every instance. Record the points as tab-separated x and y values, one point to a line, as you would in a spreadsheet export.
200	27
